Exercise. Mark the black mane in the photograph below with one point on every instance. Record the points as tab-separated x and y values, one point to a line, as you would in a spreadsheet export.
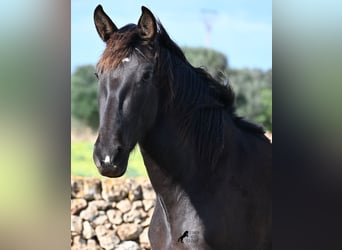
202	100
221	92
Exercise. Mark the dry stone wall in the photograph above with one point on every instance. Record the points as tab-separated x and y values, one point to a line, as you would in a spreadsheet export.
110	213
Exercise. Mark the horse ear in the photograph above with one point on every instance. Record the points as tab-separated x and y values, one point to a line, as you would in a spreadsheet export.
147	24
104	25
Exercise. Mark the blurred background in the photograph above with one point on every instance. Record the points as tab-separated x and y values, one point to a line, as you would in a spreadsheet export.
231	39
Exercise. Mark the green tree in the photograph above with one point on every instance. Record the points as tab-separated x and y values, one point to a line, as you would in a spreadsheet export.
213	61
253	91
265	117
84	106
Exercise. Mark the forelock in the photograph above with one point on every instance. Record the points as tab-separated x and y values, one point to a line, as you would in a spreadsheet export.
119	46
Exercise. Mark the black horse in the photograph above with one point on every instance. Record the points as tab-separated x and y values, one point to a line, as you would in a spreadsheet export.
210	169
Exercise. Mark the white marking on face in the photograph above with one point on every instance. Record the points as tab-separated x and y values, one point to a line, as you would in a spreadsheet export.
107	159
126	59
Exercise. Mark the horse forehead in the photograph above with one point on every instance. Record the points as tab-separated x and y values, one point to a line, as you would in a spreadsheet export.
126	59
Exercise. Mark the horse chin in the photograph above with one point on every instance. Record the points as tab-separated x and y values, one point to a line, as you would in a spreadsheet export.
115	168
113	171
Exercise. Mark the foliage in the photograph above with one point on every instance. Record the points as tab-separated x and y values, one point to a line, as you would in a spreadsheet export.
253	91
84	105
213	61
265	116
253	88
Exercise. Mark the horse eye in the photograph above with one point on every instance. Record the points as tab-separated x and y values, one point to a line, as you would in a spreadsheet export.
97	75
147	75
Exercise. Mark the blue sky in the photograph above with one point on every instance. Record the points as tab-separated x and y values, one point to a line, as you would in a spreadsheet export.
242	30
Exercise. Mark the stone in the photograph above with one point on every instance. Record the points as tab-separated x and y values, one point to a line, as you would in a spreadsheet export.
101	204
76	187
92	244
74	234
135	194
100	230
119	220
135	216
109	225
128	245
76	224
148	204
92	189
131	216
137	204
114	190
88	232
89	213
77	205
115	216
108	240
144	240
150	213
78	243
101	220
124	206
146	222
134	190
148	193
129	231
143	214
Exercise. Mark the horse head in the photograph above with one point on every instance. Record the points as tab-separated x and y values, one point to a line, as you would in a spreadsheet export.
128	95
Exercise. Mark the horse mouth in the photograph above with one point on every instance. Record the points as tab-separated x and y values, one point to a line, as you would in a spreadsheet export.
113	169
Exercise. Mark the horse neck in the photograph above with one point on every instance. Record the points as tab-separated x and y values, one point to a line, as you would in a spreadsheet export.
170	159
163	146
178	151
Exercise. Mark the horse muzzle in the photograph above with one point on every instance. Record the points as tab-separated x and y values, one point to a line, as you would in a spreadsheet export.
110	163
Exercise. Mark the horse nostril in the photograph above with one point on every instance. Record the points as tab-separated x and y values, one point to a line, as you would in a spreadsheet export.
109	159
118	150
117	153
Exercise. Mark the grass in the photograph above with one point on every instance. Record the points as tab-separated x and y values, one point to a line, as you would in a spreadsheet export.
82	161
